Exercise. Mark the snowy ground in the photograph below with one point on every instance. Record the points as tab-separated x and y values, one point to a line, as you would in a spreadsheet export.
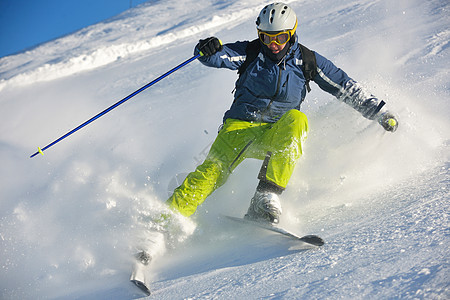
71	220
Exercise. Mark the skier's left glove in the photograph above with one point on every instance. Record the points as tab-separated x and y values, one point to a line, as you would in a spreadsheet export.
388	120
209	46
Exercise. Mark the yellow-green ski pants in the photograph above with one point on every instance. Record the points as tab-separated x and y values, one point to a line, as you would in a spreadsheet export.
278	144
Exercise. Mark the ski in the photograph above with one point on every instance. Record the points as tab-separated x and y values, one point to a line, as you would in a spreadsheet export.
308	239
138	274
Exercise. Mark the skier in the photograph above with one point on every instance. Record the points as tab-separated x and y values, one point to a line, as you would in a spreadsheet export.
265	121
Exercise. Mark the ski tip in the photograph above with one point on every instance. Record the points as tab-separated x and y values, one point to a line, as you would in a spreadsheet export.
141	286
313	240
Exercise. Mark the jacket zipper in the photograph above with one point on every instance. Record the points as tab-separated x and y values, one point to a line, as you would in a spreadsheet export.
274	96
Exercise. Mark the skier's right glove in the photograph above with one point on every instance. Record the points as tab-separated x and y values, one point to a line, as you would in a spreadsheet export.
388	120
209	46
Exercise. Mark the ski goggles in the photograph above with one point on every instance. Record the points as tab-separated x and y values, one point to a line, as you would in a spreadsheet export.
279	38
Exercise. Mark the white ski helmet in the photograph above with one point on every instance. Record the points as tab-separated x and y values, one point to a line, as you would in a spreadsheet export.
277	17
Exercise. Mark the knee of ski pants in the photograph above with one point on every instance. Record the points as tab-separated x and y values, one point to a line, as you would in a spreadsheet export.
297	125
287	135
197	186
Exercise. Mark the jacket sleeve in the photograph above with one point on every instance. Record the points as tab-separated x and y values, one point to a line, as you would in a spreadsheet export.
231	56
336	82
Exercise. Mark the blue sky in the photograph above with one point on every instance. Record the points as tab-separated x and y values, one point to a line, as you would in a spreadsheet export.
27	23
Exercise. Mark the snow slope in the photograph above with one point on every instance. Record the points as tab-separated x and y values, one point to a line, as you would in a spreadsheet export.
70	221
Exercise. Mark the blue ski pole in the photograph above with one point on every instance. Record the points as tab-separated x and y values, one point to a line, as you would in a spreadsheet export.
41	150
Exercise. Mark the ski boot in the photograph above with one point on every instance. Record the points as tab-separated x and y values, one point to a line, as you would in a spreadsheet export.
264	207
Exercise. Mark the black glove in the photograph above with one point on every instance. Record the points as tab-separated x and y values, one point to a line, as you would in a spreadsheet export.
209	46
388	121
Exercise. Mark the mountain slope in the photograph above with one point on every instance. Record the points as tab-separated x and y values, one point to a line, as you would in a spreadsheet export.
71	220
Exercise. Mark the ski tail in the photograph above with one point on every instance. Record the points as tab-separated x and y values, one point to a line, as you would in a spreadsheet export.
138	275
142	286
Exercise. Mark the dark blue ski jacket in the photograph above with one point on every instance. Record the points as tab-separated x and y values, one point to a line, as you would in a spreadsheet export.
267	89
